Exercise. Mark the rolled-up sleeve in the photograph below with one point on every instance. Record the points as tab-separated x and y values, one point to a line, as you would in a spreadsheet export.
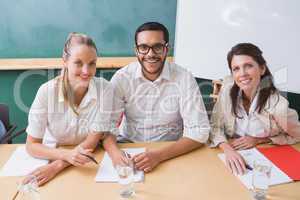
195	121
221	107
103	122
288	124
283	139
38	114
217	134
118	81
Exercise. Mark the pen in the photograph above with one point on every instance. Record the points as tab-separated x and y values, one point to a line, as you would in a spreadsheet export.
131	163
90	157
15	196
127	154
248	167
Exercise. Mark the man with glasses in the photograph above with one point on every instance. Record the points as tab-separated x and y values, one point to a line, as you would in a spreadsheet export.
160	101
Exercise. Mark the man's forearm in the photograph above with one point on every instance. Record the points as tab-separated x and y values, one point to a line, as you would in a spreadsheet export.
110	144
92	140
180	147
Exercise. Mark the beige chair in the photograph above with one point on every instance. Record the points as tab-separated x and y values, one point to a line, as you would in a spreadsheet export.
217	84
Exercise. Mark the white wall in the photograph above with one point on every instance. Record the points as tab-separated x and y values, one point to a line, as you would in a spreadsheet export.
207	29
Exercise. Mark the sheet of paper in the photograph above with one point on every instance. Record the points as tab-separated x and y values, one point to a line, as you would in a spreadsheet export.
21	163
277	176
107	173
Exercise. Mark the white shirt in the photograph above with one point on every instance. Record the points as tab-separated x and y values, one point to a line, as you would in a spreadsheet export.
249	124
163	110
53	120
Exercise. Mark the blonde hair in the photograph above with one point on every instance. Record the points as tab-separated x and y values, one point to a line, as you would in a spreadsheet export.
73	39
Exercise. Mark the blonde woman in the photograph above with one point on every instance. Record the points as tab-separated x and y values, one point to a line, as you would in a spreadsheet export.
72	109
250	110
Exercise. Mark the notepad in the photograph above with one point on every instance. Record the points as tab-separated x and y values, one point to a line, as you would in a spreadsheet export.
107	173
249	155
21	163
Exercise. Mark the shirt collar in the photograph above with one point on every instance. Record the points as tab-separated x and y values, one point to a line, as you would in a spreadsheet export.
165	74
253	103
138	71
91	93
61	97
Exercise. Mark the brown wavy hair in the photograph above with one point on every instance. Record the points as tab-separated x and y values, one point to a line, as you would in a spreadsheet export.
266	85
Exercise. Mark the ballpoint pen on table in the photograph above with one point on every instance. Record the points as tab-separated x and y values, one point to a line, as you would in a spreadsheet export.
248	167
88	156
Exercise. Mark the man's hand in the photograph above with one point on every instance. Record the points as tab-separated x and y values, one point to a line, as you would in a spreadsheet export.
146	161
118	157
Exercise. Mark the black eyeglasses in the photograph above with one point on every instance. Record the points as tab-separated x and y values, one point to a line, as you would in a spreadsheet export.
156	48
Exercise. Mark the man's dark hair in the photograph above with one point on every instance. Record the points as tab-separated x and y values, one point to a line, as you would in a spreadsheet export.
152	26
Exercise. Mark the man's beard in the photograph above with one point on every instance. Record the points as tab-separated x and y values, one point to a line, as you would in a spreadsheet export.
158	71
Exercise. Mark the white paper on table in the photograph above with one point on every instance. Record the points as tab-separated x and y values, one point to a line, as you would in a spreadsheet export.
21	163
249	155
107	173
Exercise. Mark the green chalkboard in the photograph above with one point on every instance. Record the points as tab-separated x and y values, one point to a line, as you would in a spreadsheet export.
37	29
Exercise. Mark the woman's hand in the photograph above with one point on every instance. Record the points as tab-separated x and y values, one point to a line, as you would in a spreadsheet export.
234	161
245	142
46	173
76	156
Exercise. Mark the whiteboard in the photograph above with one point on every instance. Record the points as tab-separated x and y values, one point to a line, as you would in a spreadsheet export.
206	31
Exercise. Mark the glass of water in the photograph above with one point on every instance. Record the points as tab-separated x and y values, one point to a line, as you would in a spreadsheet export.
261	178
28	188
126	179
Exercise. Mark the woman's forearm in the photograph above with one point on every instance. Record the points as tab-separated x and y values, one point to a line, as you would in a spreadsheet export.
263	140
291	127
39	150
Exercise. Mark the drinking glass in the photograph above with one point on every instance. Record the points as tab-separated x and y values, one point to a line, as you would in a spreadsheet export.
28	188
261	178
126	179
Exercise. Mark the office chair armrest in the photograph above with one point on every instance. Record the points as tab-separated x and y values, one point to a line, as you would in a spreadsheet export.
9	132
9	138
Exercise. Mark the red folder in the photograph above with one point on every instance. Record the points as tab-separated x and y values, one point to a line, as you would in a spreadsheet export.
285	158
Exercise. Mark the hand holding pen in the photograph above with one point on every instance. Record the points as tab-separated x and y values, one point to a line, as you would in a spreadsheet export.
78	156
87	154
129	161
248	167
91	158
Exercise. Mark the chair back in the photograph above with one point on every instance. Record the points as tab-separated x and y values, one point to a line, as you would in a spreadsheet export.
4	116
